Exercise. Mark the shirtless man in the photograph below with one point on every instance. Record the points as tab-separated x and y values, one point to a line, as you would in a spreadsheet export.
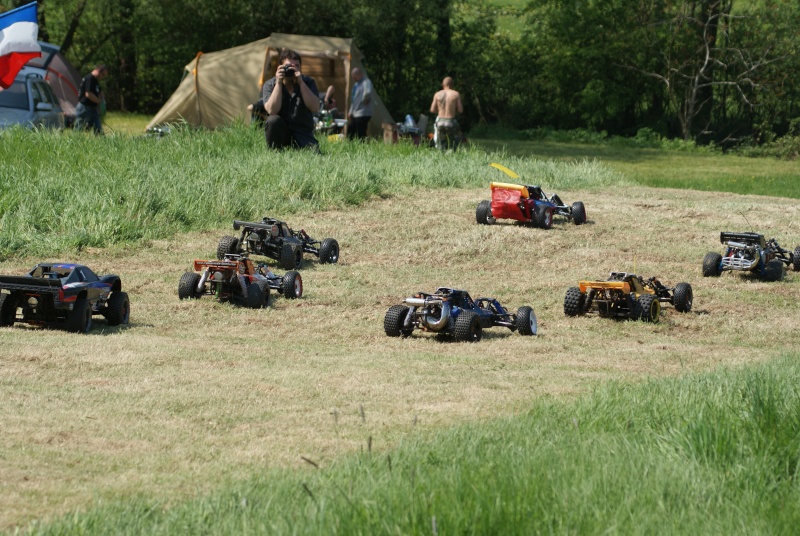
446	105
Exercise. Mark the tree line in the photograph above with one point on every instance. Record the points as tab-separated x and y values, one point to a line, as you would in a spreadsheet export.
712	71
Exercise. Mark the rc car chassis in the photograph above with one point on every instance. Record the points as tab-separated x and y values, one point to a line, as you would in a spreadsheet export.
527	204
237	279
750	252
626	295
453	312
275	239
64	295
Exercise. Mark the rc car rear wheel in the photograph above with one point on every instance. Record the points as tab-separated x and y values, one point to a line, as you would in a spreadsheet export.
544	216
187	287
774	270
711	264
79	320
468	327
682	297
227	245
8	309
329	251
649	308
578	213
394	320
255	298
483	214
796	259
292	285
264	286
291	257
525	320
118	309
573	301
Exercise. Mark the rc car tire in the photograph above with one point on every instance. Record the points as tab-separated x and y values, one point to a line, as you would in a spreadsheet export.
468	327
8	309
255	298
394	320
682	297
525	320
118	309
291	257
796	259
292	285
544	217
649	308
329	251
774	270
227	245
79	320
483	214
578	213
264	286
711	264
573	301
187	287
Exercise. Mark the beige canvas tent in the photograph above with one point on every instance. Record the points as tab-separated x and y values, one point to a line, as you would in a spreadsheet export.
217	87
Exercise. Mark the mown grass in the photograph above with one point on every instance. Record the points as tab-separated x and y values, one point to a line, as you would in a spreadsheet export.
713	453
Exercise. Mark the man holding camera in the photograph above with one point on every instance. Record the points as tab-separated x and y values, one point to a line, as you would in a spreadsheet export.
290	101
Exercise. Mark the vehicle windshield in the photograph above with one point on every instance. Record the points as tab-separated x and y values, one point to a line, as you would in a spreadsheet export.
15	97
51	272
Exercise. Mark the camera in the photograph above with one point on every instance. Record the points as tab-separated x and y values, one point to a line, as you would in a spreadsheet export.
289	71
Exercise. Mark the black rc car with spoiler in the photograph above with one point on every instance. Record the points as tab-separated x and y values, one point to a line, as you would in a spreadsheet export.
750	252
63	295
275	239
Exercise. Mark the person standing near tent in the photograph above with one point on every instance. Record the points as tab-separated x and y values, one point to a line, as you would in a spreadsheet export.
447	105
361	105
90	98
290	99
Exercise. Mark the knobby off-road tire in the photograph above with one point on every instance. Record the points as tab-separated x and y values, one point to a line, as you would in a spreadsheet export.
682	297
187	286
796	259
468	327
544	217
773	271
118	309
8	309
525	320
711	264
79	320
292	285
394	320
291	257
255	298
483	214
648	308
329	251
227	245
264	287
578	213
573	301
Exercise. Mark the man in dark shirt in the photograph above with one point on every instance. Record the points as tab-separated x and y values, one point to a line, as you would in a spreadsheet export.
290	100
90	97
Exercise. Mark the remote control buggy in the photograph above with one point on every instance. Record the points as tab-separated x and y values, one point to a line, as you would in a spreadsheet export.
275	239
527	204
63	295
237	279
626	295
750	252
453	312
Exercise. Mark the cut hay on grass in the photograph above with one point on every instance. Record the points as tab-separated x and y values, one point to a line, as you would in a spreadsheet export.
194	394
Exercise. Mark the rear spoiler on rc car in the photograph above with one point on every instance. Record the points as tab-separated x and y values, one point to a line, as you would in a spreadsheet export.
744	238
28	283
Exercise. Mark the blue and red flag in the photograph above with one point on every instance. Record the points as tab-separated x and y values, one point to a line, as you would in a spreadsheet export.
19	33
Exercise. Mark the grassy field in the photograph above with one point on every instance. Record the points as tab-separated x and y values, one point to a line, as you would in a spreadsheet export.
203	415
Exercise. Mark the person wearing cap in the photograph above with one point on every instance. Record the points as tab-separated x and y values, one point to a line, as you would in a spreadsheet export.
90	98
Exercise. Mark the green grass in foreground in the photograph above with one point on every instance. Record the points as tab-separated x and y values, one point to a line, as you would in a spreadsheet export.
712	453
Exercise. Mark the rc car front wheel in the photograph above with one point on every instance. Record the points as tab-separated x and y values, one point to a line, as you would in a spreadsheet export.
544	217
525	320
329	251
292	285
711	263
291	257
774	270
483	214
394	320
796	259
187	287
79	320
8	309
118	309
227	245
573	301
468	327
682	297
649	308
578	213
